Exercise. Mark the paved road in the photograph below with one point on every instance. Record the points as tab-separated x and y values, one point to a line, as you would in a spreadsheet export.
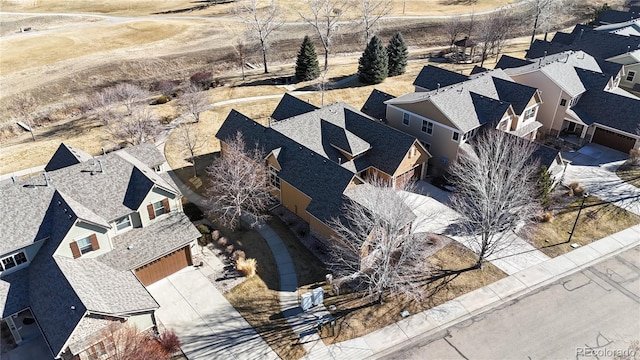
596	309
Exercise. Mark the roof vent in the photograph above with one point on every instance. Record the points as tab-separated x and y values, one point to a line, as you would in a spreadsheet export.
14	179
72	307
129	247
100	164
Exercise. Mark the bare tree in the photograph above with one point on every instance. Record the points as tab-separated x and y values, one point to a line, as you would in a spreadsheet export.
452	28
124	342
492	33
194	101
191	141
372	11
239	183
545	14
325	18
134	129
22	108
496	188
375	248
261	23
129	95
242	51
323	85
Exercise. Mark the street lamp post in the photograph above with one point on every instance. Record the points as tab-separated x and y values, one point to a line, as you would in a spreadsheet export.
584	197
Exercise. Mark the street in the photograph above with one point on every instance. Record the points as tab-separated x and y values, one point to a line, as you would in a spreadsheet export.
594	313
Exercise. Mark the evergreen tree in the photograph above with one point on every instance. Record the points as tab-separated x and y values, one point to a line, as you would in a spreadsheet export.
544	187
397	50
373	64
307	67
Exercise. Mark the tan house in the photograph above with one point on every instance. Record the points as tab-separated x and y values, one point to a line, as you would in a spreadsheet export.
448	109
315	156
580	94
79	243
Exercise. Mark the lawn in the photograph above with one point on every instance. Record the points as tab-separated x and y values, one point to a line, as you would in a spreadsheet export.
630	174
357	316
598	219
257	298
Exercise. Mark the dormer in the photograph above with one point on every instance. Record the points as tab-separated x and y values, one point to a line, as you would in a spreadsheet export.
343	140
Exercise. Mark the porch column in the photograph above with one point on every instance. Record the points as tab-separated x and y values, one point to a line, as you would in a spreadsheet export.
14	330
583	134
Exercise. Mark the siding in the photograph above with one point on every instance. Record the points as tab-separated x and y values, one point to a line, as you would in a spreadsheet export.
81	230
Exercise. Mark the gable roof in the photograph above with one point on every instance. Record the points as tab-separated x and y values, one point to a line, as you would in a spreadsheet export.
597	107
479	100
600	44
65	156
507	62
146	153
290	106
434	77
616	16
383	146
375	106
321	179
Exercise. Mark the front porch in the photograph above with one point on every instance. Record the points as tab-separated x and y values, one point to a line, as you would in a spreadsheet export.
21	338
573	132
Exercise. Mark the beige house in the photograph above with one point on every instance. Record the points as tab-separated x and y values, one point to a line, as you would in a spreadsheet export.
92	232
316	155
579	94
448	109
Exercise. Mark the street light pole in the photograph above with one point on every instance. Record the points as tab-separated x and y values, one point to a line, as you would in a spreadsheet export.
584	197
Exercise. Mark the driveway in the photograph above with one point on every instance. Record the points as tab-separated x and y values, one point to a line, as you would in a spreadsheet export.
594	167
207	325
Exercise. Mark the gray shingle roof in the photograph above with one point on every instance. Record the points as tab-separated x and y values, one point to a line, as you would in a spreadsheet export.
597	107
431	77
616	16
388	146
88	330
65	156
507	62
461	102
375	106
168	233
146	153
290	106
320	179
14	292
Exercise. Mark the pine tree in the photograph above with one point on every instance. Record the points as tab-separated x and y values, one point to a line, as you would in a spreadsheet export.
397	50
307	67
545	185
373	64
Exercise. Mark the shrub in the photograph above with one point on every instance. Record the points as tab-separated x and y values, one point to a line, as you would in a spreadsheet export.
238	254
229	249
574	185
570	192
169	341
247	266
193	212
222	242
215	235
206	234
634	157
546	216
579	191
162	99
202	79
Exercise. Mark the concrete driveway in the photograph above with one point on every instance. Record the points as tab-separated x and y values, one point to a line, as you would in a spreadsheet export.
207	325
594	167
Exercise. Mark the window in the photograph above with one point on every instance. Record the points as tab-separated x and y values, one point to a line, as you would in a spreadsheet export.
574	101
13	260
85	245
405	118
529	113
456	136
274	180
427	127
158	208
631	75
426	145
563	102
123	223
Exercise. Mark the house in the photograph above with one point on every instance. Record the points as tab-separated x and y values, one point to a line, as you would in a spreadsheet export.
79	243
447	109
316	156
611	16
609	46
580	93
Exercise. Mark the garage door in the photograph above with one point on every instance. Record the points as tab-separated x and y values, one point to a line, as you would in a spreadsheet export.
164	266
613	140
411	175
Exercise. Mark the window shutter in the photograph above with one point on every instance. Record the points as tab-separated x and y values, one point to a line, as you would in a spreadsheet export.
152	214
165	203
94	242
75	250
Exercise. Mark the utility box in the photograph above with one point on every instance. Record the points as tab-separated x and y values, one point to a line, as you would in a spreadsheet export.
306	301
318	296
